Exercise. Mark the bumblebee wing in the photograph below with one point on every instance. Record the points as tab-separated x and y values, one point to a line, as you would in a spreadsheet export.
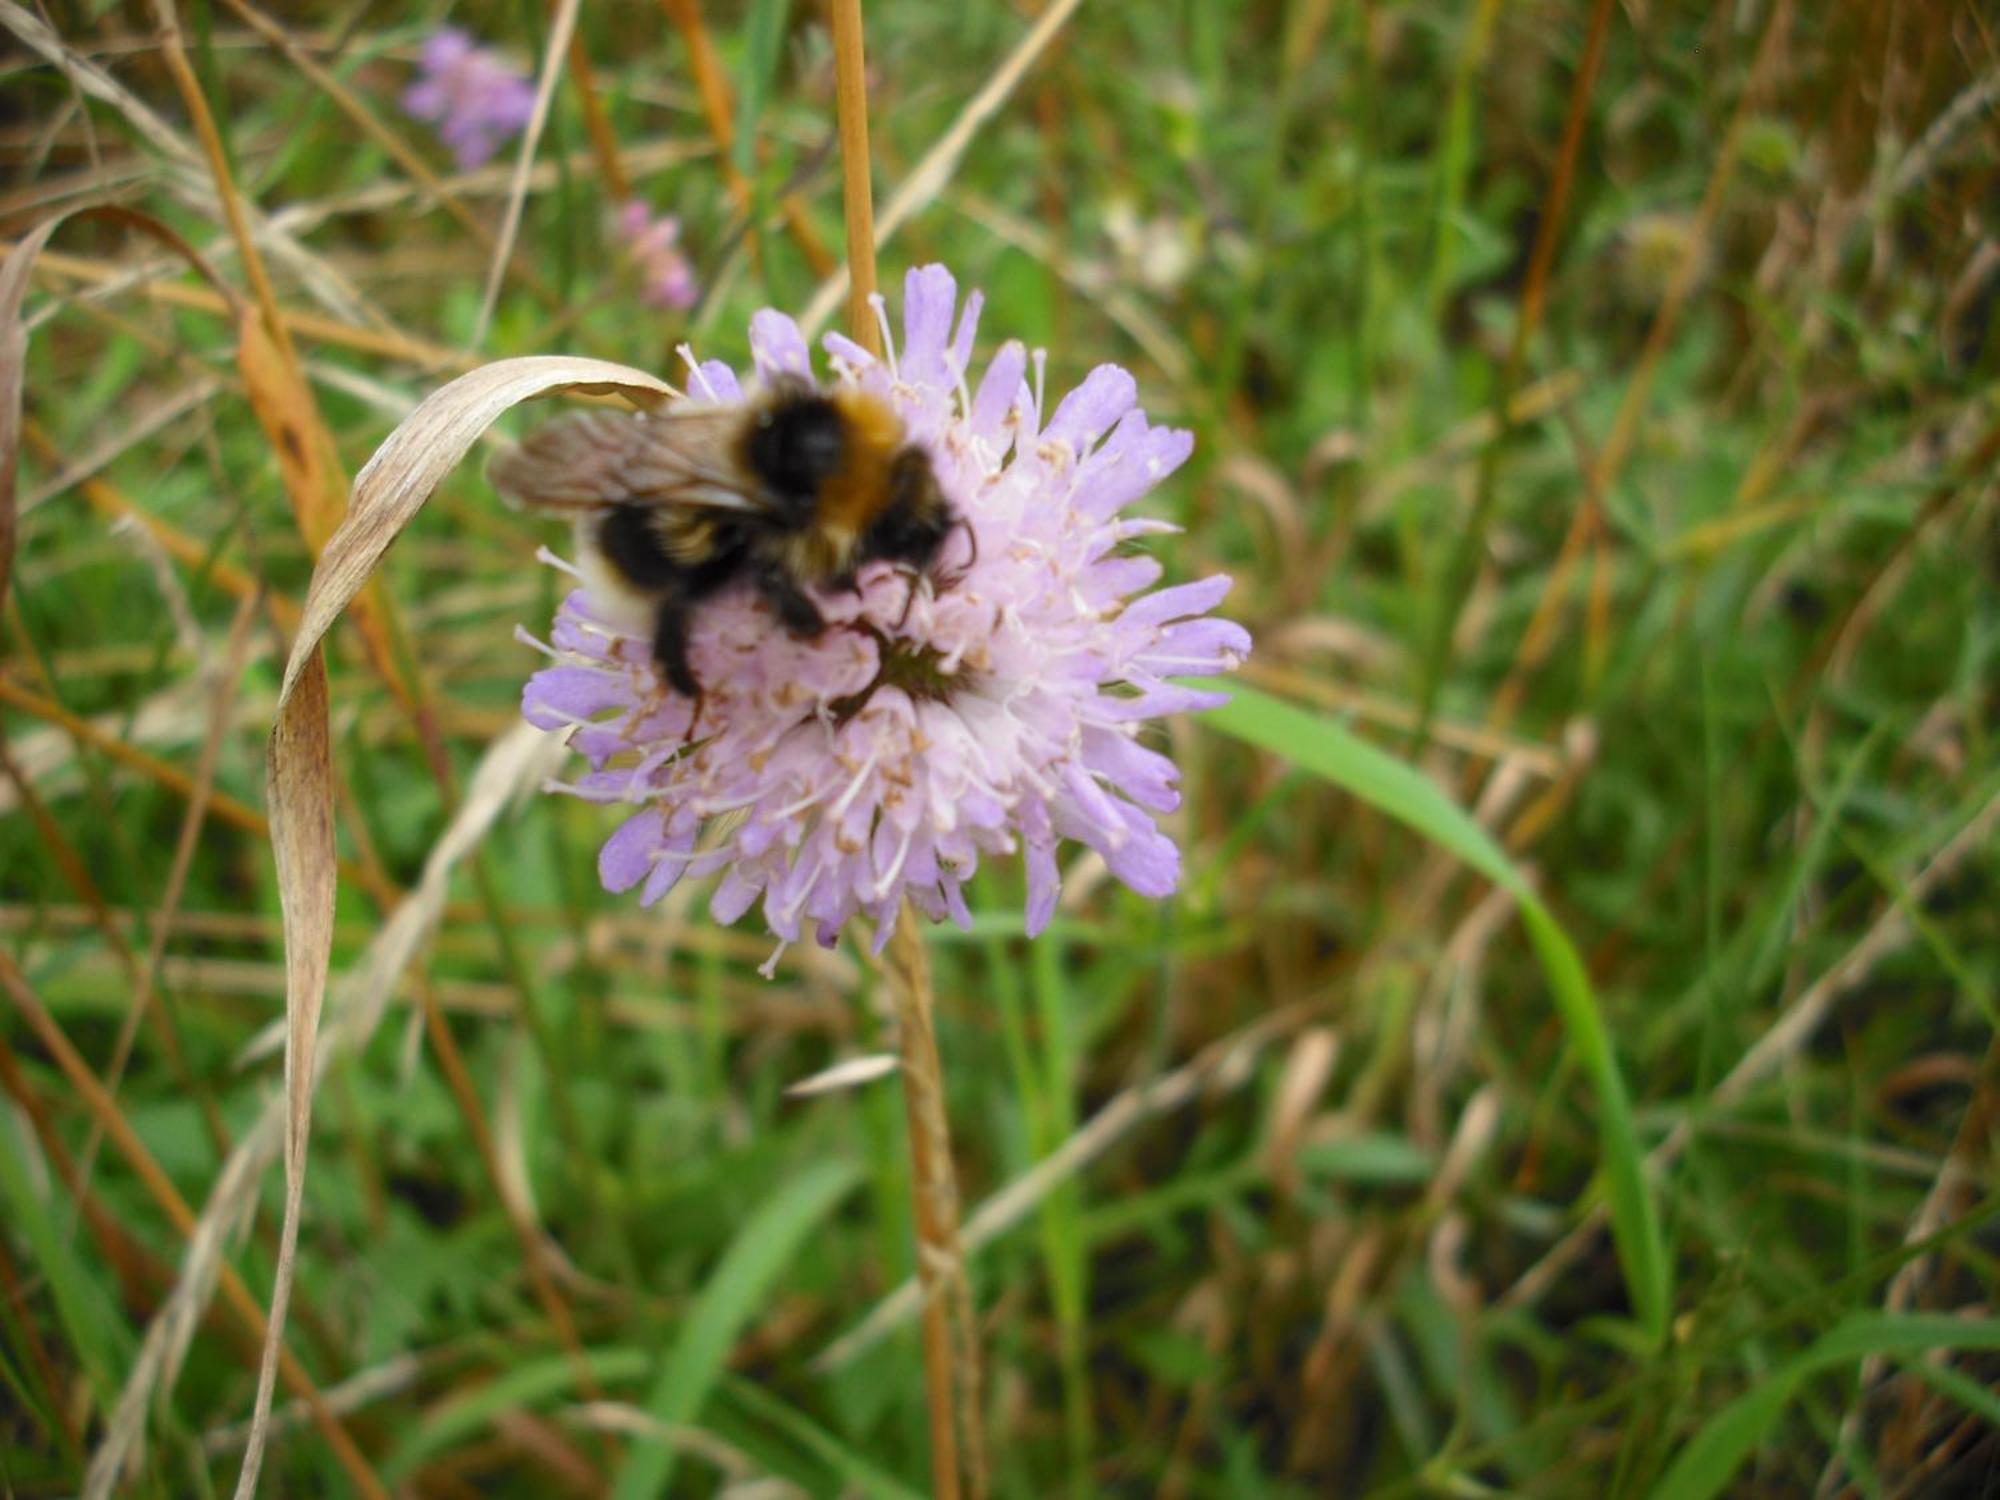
677	458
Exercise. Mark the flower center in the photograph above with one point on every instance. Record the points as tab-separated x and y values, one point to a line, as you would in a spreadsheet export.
916	667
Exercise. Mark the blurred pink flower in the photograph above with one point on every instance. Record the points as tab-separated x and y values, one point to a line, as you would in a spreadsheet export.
666	279
1002	712
470	94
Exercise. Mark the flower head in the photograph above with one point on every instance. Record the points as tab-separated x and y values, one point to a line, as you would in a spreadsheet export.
999	710
665	277
470	94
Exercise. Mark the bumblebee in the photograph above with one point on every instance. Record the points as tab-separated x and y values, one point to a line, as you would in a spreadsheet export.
792	490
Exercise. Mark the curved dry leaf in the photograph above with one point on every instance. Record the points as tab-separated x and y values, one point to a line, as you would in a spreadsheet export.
14	272
298	779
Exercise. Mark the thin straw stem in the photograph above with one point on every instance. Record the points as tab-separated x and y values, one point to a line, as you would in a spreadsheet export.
850	83
951	1357
950	1364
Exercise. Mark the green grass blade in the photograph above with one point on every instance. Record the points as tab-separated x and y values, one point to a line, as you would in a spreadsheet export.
760	1250
1706	1464
88	1318
526	1385
763	44
1331	752
1967	1392
856	1472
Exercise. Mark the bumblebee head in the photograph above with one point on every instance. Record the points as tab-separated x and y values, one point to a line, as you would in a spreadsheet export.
914	519
798	445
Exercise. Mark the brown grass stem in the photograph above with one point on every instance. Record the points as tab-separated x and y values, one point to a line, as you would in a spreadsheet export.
317	327
54	1399
77	873
351	104
174	54
140	1273
226	682
163	1192
596	123
459	1078
719	110
1462	567
933	172
224	807
1600	472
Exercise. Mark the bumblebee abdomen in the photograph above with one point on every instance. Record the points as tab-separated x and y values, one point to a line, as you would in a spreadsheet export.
654	549
631	544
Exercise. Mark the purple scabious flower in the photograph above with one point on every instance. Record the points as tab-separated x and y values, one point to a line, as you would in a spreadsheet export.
999	711
665	277
470	94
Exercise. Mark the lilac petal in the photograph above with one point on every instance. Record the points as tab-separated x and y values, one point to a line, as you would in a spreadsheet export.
1198	646
557	697
1004	385
929	296
426	100
954	903
778	346
1090	410
514	105
734	895
968	329
1088	802
627	856
447	46
885	926
1175	603
1138	468
1116	577
1148	861
1158	702
1044	885
721	381
1146	776
844	351
982	809
666	875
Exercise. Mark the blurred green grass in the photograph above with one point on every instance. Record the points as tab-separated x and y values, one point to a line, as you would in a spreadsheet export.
1727	696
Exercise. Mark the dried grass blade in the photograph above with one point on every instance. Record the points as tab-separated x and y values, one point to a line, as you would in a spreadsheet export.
520	758
284	408
390	489
561	28
190	181
14	273
931	174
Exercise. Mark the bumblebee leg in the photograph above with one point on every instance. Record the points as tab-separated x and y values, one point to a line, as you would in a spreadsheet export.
670	649
788	601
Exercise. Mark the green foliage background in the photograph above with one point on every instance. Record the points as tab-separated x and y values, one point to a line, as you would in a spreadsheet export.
1605	823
